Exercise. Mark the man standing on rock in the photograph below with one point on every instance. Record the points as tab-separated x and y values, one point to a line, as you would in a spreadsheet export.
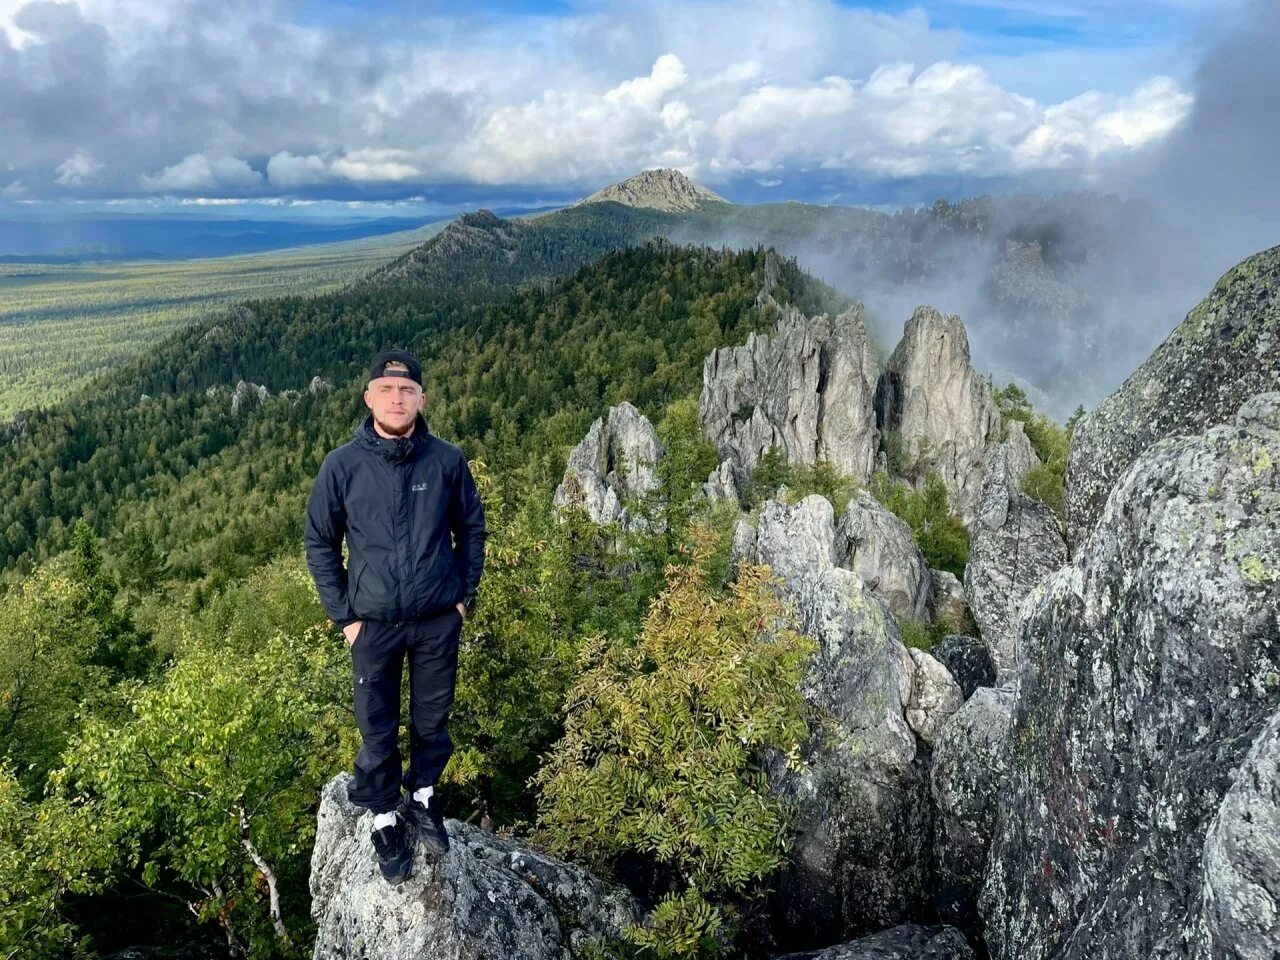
396	492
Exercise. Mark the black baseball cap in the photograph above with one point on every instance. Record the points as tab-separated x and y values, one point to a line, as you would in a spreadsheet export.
378	367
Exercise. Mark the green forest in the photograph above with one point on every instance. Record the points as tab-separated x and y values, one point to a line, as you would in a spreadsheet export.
172	697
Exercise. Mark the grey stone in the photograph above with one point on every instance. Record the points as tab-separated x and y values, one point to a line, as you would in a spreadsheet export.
248	394
1226	350
486	899
1016	542
935	696
941	410
615	462
1152	663
947	599
881	549
319	385
1242	858
907	942
860	855
970	765
968	661
807	388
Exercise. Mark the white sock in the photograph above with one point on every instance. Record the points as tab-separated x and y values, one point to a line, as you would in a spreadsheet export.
423	794
381	820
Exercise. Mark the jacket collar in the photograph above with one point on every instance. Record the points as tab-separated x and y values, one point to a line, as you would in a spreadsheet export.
398	449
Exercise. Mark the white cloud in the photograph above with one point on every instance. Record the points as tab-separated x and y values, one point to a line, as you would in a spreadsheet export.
77	169
199	172
104	94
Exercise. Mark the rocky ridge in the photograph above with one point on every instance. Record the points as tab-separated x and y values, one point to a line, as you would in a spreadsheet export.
663	189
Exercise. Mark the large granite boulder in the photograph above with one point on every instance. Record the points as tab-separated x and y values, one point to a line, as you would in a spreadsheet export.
907	942
1016	542
1242	858
968	661
947	600
860	853
615	462
808	388
1152	666
882	550
935	696
970	765
1226	350
486	899
941	410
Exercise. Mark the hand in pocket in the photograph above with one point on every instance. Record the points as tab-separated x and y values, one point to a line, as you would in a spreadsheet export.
352	630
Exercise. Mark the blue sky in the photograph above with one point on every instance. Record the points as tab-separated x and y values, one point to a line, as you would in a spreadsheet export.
373	109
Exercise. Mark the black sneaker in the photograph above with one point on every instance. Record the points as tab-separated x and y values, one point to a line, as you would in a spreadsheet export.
428	818
395	855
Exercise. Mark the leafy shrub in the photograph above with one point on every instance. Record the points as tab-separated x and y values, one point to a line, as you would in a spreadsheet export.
942	537
774	470
661	755
1051	442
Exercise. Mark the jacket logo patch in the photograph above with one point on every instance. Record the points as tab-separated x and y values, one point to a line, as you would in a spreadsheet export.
419	486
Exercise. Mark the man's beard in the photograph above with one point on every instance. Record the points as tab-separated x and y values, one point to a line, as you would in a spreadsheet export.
395	431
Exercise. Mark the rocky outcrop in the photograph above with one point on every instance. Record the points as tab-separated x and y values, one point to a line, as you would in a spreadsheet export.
486	899
935	696
1016	543
1226	350
907	942
881	549
947	600
940	409
807	388
1242	858
860	850
968	661
663	189
1152	665
970	765
319	385
615	462
248	394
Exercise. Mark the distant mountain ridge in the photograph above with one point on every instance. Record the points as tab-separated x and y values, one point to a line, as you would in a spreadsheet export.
664	189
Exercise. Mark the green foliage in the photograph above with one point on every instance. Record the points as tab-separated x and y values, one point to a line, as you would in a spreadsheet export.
209	789
1045	482
62	647
663	741
923	634
801	480
47	851
941	536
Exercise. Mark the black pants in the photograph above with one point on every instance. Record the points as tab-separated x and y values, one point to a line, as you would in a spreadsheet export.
377	658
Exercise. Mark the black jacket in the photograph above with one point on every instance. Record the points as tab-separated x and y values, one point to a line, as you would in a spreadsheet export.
396	501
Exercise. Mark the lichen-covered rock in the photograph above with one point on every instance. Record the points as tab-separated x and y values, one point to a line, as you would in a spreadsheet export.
935	696
1242	858
968	661
907	942
970	765
807	388
1226	350
722	484
947	599
615	462
860	853
941	410
1016	542
881	549
1152	663
486	899
319	385
248	394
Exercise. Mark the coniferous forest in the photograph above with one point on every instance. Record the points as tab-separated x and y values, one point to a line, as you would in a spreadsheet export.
172	697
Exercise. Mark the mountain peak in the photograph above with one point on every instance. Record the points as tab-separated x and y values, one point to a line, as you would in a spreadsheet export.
664	189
